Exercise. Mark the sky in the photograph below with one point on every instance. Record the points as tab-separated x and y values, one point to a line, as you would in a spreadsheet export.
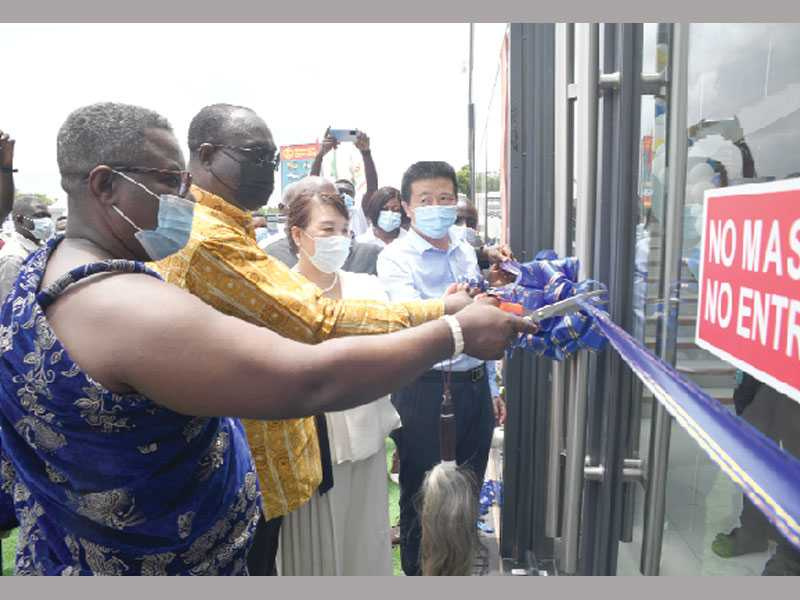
405	85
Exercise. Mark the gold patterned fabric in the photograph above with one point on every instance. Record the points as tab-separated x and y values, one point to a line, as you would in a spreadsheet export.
223	266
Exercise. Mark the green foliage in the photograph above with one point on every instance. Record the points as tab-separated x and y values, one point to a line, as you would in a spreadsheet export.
492	183
43	197
462	175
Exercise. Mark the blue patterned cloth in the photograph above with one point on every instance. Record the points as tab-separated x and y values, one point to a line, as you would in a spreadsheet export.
104	483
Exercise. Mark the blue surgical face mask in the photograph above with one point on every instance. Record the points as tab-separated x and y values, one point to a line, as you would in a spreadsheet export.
330	253
43	228
389	220
175	216
435	221
262	233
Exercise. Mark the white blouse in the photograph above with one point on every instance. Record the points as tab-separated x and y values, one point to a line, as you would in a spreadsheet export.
358	433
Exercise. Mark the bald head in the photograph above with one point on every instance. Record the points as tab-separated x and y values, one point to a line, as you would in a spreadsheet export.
467	215
226	124
233	155
27	208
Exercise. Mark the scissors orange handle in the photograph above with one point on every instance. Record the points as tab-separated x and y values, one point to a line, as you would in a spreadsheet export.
513	308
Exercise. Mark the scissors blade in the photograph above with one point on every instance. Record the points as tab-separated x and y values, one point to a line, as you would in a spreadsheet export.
565	306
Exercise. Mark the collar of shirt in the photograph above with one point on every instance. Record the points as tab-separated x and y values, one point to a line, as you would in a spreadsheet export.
421	245
227	210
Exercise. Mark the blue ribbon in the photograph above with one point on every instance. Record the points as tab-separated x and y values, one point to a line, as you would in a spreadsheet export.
543	281
740	450
491	493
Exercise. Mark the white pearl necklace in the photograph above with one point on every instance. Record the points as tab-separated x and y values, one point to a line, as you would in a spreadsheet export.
327	289
333	285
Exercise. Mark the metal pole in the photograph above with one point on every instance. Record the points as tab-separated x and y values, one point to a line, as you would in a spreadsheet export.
562	198
486	193
586	76
655	498
471	117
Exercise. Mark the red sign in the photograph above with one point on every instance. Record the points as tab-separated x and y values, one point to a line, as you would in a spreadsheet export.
748	311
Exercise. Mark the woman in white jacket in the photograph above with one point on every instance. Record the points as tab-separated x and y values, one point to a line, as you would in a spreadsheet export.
344	531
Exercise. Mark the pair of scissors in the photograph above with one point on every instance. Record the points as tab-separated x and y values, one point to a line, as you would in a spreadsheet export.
562	307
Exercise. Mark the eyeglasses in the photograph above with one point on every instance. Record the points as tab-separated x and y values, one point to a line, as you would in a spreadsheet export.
180	180
261	156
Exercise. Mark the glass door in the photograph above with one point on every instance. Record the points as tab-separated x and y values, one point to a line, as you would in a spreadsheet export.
742	125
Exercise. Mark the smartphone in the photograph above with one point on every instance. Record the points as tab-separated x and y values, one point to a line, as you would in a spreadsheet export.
344	135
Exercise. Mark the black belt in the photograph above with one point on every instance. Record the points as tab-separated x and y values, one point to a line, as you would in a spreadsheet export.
473	375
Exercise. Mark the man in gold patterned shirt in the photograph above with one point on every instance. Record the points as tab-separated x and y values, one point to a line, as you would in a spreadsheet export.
233	161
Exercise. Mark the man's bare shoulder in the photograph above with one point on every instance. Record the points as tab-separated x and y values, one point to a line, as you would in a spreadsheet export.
122	298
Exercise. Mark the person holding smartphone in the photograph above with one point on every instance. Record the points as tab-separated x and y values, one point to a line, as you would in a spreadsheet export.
332	141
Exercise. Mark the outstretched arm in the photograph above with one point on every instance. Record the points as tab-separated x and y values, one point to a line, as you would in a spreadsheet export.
328	143
6	175
184	355
370	172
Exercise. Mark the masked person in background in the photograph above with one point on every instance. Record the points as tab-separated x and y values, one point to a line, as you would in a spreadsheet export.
33	224
356	208
385	214
260	227
467	222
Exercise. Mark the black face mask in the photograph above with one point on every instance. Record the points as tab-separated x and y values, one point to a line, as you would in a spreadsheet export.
256	184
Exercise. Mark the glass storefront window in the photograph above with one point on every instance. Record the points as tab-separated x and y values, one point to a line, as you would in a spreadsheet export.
744	126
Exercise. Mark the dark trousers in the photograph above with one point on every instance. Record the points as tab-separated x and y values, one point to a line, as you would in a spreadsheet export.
261	558
778	417
418	444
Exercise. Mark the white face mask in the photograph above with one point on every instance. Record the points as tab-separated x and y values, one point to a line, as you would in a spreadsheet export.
330	253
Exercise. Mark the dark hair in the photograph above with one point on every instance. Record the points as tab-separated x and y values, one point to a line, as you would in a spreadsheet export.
427	169
345	182
375	203
211	124
299	211
468	213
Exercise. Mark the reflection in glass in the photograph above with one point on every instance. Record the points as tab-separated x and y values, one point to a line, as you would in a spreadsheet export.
744	117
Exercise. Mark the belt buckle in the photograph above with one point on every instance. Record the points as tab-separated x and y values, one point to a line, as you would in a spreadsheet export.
476	374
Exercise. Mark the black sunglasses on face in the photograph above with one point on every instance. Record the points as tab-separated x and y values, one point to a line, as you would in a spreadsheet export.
259	155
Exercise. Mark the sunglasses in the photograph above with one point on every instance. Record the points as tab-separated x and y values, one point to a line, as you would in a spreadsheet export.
261	156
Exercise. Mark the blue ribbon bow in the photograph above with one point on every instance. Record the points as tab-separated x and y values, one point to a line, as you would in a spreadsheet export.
543	281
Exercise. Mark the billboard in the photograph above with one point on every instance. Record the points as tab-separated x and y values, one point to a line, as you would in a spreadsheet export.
296	162
748	310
